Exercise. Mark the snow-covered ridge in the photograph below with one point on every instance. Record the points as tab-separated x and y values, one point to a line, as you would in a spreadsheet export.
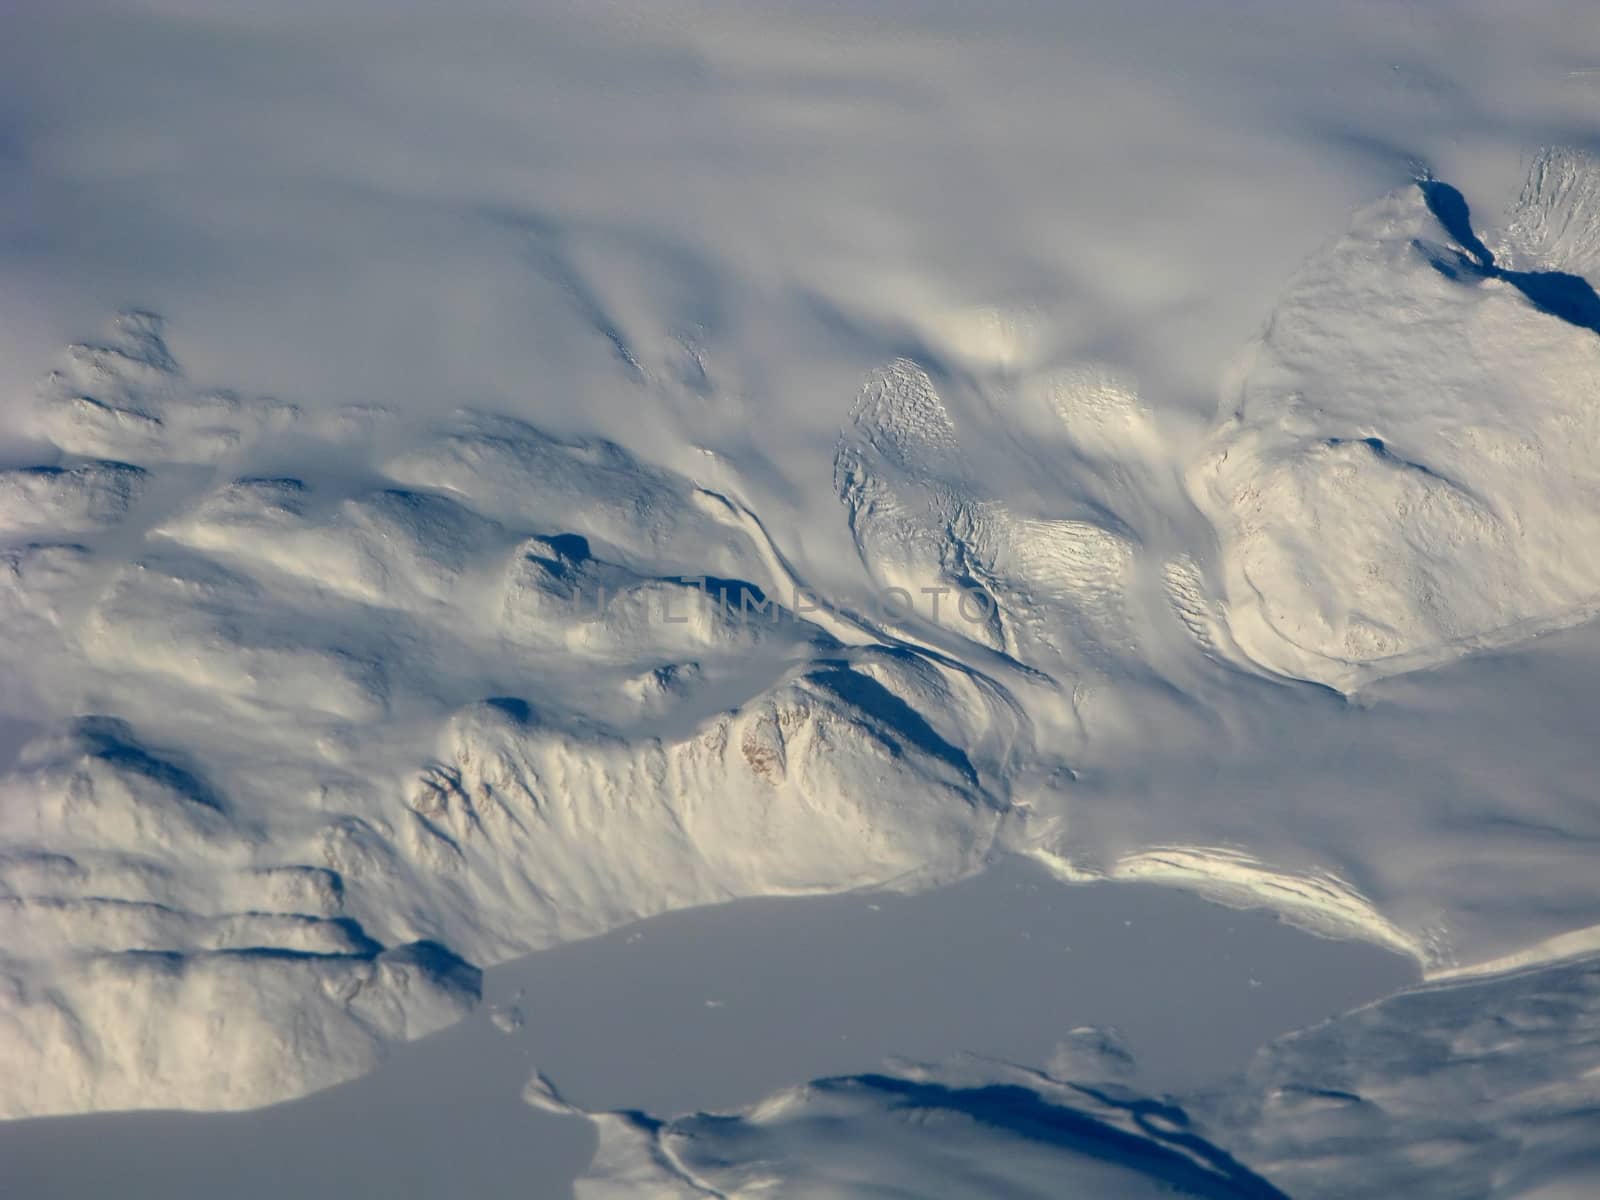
347	700
334	729
1408	466
1319	902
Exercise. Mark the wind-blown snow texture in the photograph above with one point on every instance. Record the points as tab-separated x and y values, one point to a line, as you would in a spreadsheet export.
361	783
335	699
1409	468
351	729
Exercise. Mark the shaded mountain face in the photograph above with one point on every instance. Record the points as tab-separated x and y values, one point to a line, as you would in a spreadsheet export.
356	727
462	687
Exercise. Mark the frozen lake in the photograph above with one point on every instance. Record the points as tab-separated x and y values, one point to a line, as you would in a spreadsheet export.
715	1007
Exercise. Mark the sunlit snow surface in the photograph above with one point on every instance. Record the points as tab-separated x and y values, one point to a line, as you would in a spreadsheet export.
1161	447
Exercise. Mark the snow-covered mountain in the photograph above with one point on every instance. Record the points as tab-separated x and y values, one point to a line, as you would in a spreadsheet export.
552	468
468	689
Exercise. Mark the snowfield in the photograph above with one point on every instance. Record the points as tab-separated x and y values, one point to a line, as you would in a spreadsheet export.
557	468
509	698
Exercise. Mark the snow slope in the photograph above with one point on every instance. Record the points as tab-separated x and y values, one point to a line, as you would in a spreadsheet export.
496	717
1408	469
1475	1089
369	620
476	688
